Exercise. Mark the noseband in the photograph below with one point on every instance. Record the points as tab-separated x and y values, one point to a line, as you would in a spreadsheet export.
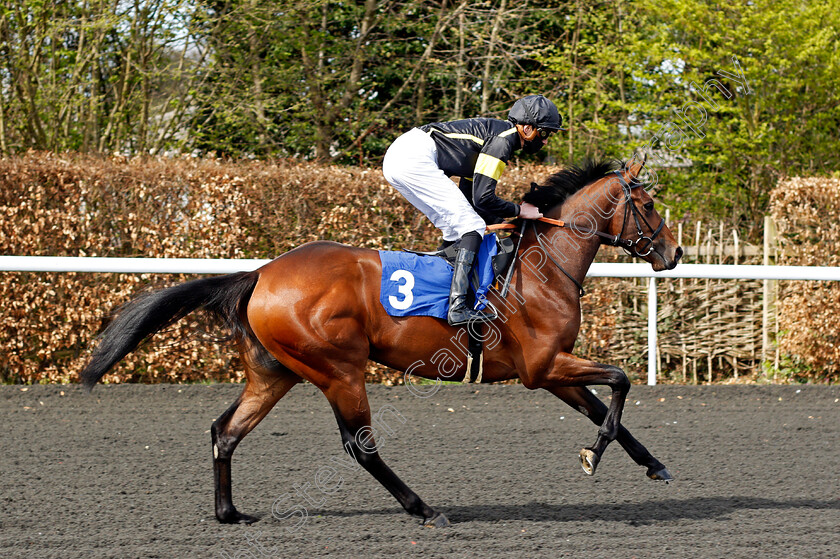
632	246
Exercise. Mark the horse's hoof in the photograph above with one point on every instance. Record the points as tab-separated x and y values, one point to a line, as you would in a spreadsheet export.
439	520
588	461
660	475
236	517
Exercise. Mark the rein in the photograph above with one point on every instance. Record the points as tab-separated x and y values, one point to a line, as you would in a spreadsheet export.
612	240
631	246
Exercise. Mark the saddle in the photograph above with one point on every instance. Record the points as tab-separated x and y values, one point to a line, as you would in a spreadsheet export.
502	260
505	251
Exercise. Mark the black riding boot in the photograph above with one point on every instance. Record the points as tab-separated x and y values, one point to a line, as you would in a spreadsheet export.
459	312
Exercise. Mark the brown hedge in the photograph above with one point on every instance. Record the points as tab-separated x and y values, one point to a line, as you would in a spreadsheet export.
807	215
78	205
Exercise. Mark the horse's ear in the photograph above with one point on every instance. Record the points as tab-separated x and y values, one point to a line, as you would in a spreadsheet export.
641	155
635	165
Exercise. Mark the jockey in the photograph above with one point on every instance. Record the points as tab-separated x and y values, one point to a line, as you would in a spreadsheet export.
419	163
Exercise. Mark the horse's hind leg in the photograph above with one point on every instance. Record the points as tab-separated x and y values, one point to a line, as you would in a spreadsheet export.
266	382
581	399
352	411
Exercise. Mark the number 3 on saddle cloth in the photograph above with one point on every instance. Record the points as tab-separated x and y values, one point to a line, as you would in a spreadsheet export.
418	284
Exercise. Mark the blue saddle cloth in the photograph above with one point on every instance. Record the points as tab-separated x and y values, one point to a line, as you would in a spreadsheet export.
418	285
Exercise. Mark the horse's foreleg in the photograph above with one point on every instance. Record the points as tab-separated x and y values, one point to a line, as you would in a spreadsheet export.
588	404
352	412
570	371
264	387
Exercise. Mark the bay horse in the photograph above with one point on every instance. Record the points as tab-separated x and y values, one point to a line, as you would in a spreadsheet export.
314	314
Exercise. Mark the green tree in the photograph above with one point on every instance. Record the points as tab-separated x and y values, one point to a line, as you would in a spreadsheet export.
667	75
783	121
94	75
338	81
334	80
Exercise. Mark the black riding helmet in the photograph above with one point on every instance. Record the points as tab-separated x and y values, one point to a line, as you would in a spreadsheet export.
537	111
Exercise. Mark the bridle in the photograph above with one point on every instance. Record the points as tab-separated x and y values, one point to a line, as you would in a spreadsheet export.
630	246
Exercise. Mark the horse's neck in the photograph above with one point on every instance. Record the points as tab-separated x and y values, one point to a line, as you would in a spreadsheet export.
591	209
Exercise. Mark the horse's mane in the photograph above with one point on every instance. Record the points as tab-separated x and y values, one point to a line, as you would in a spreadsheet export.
560	186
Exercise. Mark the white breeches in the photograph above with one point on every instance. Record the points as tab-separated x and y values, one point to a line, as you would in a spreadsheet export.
410	165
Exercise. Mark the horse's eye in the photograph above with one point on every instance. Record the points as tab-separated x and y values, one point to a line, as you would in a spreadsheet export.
649	207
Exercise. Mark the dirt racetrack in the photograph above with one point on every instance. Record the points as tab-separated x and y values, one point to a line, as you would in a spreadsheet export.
126	472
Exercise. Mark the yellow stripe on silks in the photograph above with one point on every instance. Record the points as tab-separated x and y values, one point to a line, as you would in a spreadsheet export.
489	166
507	132
475	139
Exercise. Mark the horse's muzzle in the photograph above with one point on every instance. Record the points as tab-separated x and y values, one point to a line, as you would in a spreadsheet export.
672	263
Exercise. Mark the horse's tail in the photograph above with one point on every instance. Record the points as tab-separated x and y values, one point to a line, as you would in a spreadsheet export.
226	297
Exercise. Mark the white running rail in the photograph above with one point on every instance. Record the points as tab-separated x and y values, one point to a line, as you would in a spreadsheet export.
618	270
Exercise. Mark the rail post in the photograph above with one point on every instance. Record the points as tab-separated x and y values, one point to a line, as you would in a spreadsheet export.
768	318
652	304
